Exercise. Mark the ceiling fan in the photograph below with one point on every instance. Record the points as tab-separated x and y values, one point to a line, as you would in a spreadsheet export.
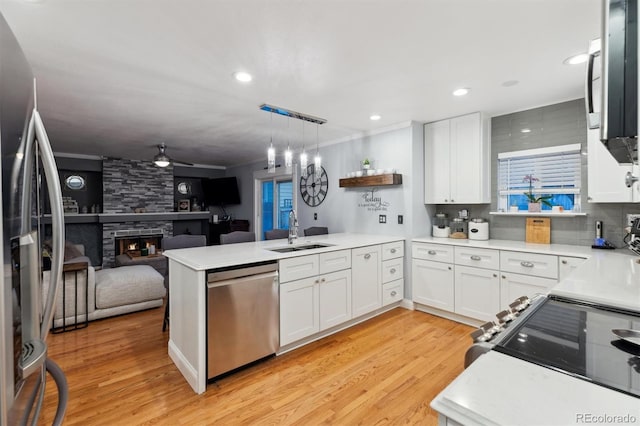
163	160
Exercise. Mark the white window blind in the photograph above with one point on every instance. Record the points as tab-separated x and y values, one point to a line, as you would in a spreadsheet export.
554	170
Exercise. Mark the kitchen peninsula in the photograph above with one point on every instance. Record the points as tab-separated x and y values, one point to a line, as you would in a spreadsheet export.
370	281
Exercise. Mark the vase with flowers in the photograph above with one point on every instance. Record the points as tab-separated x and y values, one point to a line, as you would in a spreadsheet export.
535	203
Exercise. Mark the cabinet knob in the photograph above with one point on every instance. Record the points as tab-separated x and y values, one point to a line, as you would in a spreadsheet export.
504	277
446	201
393	293
393	250
392	270
367	256
475	257
526	264
317	281
432	252
564	262
452	200
449	267
323	280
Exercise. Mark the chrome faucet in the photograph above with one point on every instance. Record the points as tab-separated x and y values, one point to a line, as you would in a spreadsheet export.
293	226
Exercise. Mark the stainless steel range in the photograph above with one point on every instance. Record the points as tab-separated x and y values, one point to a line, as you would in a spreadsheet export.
571	337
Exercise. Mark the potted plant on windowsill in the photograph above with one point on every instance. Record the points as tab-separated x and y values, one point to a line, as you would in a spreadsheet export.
535	203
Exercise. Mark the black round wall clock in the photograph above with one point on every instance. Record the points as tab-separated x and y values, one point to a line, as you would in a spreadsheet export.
314	186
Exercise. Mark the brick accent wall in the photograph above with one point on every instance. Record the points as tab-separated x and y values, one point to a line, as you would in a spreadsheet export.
130	184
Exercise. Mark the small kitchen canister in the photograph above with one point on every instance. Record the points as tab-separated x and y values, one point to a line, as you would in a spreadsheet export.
478	229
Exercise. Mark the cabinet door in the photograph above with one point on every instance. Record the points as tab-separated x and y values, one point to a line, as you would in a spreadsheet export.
335	298
366	270
513	286
567	264
436	162
470	160
477	292
433	284
605	176
299	315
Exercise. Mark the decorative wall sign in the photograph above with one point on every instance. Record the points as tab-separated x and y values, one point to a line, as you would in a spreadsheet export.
372	201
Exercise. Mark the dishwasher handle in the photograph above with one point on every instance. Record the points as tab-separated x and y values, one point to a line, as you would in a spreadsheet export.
244	279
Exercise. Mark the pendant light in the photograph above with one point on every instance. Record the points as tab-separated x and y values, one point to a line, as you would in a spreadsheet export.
288	155
304	159
271	152
317	160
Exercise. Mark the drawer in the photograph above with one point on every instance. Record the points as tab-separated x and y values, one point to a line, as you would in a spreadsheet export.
392	250
335	261
296	268
392	269
392	292
437	252
477	257
539	265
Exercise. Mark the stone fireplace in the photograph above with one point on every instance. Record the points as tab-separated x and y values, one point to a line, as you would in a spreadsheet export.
132	241
131	186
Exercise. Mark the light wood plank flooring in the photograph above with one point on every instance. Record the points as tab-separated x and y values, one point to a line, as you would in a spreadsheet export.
384	371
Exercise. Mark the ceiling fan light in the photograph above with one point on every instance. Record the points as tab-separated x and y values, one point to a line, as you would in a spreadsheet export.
161	160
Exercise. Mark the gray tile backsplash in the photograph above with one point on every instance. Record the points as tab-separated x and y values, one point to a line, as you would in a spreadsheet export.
552	125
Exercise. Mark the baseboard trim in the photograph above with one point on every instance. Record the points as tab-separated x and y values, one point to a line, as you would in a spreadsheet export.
448	315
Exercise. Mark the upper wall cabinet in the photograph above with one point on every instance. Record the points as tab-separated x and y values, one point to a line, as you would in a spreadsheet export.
606	178
457	164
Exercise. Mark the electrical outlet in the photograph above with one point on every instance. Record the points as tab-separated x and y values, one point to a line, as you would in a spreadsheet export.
382	218
315	216
631	217
400	219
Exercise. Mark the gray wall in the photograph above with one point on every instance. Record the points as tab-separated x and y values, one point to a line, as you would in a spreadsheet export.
552	125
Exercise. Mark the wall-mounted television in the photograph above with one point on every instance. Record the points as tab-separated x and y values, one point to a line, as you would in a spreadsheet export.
221	191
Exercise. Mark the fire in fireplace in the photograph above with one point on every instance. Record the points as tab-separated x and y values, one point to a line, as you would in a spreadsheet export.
133	244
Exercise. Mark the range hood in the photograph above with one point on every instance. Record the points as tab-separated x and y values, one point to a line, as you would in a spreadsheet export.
617	52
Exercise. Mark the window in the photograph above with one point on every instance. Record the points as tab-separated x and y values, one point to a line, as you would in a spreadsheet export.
552	172
274	199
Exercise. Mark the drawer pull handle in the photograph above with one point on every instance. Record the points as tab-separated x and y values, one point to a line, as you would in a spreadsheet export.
367	256
392	270
393	250
527	264
393	293
564	262
475	257
432	252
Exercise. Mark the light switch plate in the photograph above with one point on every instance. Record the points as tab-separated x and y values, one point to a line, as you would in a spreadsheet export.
382	218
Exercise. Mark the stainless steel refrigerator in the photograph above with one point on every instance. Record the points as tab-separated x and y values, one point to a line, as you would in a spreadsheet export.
25	318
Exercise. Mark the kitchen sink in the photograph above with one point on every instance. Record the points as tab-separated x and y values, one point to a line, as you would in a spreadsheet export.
289	249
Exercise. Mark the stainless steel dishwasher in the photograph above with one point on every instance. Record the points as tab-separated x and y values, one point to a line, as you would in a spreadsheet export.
243	323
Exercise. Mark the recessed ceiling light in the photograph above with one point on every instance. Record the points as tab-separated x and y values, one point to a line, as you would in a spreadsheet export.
525	130
576	59
375	117
242	76
460	92
510	83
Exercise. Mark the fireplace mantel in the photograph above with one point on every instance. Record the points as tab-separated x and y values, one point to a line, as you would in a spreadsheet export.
130	217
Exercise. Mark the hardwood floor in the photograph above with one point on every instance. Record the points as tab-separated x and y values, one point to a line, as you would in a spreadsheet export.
384	371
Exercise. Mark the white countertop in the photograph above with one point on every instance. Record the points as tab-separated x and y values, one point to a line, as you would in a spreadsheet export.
210	257
608	277
501	390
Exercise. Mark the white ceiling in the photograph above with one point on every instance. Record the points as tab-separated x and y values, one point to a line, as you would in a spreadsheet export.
115	77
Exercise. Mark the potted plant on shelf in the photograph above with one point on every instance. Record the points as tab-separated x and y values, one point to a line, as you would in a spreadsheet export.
535	203
366	164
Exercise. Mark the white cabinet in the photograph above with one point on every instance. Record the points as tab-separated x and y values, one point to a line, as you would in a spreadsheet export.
540	265
567	264
433	283
606	177
312	302
366	273
513	286
457	160
299	310
477	292
334	298
392	272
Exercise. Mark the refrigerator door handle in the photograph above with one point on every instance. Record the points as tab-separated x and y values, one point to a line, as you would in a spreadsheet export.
604	74
57	221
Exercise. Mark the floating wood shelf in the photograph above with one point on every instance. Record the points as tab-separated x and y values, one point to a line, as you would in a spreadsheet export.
375	180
